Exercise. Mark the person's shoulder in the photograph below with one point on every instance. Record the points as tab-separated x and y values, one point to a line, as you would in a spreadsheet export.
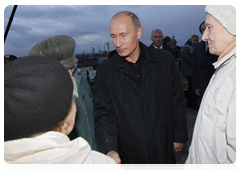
201	44
110	64
151	46
171	50
161	55
155	51
168	48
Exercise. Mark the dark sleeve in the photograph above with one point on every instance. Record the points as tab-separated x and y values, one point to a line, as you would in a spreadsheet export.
105	119
195	74
179	115
186	56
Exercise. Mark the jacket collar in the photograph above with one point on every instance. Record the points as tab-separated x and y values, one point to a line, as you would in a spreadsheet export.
150	57
153	46
229	55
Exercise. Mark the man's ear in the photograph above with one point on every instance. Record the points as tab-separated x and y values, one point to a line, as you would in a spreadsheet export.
139	32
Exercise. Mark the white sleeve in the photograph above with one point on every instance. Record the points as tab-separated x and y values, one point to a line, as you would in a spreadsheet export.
231	127
99	158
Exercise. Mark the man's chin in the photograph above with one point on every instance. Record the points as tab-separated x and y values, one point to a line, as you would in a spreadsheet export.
122	55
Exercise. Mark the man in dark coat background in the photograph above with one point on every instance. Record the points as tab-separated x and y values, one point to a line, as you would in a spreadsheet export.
157	38
202	68
139	104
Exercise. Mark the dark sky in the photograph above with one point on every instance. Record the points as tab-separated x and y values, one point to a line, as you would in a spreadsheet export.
89	25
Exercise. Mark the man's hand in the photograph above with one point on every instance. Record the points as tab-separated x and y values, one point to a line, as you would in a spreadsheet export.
177	146
115	156
197	91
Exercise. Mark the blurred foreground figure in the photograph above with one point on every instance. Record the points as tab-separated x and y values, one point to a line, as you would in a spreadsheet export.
8	58
214	136
62	48
39	113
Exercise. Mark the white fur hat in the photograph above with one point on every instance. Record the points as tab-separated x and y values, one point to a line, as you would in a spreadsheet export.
225	14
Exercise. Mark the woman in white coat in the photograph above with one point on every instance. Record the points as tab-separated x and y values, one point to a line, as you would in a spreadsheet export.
214	136
39	113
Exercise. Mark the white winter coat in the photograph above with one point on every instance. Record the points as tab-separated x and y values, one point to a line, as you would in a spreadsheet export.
214	136
52	147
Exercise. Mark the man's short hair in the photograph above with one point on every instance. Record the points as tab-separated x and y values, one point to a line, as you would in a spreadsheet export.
134	17
156	30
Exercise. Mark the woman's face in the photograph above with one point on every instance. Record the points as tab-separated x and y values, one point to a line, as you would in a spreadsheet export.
194	40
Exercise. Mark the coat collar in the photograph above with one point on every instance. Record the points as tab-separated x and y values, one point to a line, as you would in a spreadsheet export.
150	57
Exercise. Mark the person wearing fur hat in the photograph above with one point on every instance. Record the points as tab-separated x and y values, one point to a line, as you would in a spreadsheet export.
39	113
61	48
214	136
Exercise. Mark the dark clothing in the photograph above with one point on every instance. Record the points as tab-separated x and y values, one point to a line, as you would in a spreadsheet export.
186	62
202	68
140	120
186	59
111	53
192	98
169	49
138	66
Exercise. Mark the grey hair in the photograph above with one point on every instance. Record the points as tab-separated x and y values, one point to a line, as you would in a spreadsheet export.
156	30
134	17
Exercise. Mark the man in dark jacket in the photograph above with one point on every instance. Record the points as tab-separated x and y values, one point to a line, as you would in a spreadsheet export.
157	39
139	105
202	68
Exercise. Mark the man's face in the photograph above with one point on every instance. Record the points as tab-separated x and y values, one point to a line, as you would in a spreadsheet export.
157	38
217	36
194	40
124	36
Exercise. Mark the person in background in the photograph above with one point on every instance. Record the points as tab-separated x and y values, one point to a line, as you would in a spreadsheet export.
157	42
202	68
177	51
186	64
214	135
8	58
139	105
39	113
167	41
88	77
61	48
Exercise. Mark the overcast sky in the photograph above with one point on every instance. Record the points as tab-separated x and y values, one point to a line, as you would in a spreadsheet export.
89	24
